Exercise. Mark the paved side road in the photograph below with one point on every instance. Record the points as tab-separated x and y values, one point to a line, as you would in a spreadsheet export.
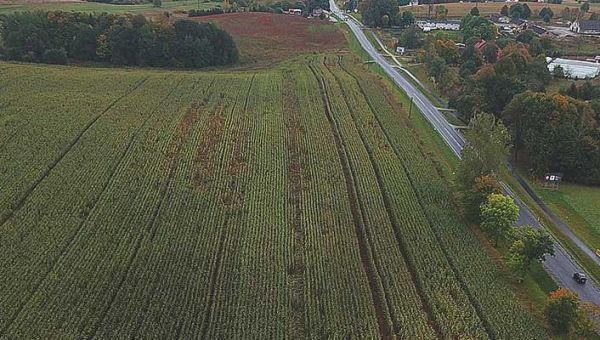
563	227
561	267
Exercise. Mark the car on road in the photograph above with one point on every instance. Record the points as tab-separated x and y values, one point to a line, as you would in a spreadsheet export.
579	278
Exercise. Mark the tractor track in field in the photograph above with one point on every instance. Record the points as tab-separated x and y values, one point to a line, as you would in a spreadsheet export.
21	201
189	120
379	304
296	166
432	321
72	239
488	328
376	262
232	204
149	229
187	123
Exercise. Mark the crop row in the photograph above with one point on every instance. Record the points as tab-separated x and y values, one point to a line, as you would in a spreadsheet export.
288	203
502	311
452	312
61	231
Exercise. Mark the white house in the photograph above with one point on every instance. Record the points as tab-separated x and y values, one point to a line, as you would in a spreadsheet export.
586	27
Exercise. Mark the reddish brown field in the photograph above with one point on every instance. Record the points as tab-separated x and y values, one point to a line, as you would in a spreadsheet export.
264	38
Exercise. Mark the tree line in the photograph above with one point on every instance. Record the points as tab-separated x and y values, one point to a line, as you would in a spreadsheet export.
507	77
56	37
483	202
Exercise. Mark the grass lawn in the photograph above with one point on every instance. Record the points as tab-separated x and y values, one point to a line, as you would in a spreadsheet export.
82	6
579	47
579	256
578	206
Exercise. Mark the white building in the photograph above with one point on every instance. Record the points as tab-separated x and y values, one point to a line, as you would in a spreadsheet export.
575	69
430	25
586	27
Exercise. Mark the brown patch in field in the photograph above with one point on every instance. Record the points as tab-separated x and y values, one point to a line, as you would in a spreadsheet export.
183	130
207	147
264	38
186	124
298	182
238	163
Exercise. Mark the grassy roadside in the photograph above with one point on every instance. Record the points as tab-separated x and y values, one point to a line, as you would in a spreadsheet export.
577	255
537	283
442	155
431	93
577	205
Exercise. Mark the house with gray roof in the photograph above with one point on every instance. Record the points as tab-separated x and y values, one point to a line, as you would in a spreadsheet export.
586	27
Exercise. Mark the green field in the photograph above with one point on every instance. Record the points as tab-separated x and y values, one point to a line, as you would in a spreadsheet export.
290	202
457	10
578	207
145	8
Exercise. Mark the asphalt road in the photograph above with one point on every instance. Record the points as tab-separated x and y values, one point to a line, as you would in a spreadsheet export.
561	266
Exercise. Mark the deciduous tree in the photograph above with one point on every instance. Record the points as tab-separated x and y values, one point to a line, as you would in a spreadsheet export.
411	37
487	148
546	14
498	214
373	11
477	194
562	310
529	245
478	27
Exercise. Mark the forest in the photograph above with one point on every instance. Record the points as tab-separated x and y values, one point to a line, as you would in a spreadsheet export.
58	37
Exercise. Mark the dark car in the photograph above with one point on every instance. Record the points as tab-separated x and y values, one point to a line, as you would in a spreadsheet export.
579	278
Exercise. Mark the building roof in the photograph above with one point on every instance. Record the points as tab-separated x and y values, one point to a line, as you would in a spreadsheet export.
589	25
538	30
480	44
518	21
433	21
575	68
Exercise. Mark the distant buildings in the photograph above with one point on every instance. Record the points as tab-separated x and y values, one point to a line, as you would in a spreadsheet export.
575	69
538	30
586	27
480	44
507	24
596	59
430	25
294	11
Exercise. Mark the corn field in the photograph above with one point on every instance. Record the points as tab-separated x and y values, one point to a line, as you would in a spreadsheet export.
295	202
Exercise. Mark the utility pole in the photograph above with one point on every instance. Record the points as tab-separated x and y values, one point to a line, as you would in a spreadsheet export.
410	108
